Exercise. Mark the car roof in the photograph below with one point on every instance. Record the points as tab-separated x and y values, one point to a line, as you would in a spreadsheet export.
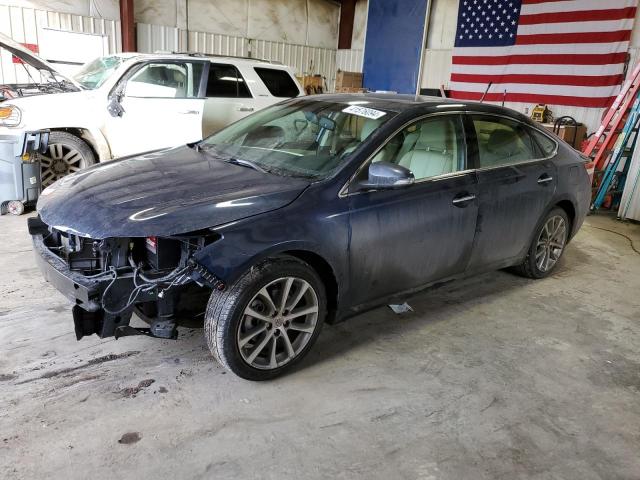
402	102
197	56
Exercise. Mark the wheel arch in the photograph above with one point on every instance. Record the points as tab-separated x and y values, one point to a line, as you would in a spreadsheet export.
321	264
326	272
94	139
570	209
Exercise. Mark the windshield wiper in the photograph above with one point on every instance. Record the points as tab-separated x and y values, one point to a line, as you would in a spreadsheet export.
244	163
201	147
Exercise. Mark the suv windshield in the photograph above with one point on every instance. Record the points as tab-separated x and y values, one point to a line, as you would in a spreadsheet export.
302	138
93	74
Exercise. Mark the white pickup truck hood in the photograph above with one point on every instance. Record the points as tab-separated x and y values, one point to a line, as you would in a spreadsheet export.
59	110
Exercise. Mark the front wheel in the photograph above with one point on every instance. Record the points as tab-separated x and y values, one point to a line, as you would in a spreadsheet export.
65	154
268	320
547	246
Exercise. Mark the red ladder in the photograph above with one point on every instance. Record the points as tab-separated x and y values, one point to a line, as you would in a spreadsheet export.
602	144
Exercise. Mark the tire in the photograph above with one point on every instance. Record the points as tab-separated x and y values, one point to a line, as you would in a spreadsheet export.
545	251
230	331
65	154
15	207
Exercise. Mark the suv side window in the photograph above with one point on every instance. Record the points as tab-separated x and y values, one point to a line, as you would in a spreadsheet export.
502	141
165	80
429	148
226	81
278	82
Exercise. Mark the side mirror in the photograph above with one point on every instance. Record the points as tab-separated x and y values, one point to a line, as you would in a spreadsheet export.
383	175
114	107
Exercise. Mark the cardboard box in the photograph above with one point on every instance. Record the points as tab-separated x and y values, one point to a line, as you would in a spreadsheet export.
566	133
350	90
348	79
312	84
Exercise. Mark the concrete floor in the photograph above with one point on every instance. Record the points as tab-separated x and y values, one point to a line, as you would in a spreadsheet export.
494	377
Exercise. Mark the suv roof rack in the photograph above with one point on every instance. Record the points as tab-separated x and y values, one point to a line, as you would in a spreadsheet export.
216	55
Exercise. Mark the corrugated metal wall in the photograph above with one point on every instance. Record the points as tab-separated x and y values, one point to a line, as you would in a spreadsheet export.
22	24
304	59
349	60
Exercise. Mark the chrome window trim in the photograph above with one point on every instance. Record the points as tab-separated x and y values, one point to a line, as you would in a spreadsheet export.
344	191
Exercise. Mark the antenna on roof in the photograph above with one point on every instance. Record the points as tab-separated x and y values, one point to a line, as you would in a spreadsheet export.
485	92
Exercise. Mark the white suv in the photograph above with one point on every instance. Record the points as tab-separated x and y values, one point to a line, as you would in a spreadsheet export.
131	103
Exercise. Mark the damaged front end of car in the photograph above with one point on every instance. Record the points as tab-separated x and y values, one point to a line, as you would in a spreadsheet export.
109	279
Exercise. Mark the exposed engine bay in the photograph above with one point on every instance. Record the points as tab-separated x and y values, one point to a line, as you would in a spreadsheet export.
16	90
110	279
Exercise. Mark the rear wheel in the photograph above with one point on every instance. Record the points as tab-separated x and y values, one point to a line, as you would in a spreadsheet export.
65	154
268	320
547	246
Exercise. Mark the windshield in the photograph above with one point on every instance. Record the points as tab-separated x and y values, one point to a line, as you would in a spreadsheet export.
299	138
93	74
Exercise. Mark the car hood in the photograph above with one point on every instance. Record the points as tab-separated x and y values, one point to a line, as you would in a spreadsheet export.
30	58
162	193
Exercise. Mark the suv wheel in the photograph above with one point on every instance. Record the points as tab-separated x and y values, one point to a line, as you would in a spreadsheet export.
547	246
267	321
65	154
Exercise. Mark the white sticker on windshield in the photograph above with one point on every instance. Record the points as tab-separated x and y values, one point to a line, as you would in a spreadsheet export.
364	112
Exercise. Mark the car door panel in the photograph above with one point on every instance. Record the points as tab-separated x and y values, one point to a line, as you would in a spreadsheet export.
512	199
406	238
229	97
157	112
149	124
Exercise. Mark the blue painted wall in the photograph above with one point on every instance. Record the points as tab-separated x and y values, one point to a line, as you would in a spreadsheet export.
393	44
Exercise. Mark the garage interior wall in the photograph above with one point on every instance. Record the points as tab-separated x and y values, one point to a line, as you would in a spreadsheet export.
350	60
437	61
300	33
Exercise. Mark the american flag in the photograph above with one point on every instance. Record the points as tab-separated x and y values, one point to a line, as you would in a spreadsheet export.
560	52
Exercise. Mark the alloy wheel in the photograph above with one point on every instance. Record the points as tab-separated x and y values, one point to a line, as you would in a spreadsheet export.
551	243
278	323
58	161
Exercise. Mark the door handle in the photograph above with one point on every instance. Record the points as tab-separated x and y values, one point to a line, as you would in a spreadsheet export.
462	201
190	112
246	109
544	179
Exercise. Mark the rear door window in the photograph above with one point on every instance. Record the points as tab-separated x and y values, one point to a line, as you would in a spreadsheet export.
226	81
278	82
503	142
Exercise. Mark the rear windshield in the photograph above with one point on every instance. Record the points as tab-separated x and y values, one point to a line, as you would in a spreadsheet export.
300	138
278	82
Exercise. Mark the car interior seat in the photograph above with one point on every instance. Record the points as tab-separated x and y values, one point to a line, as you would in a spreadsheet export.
165	77
503	146
387	152
434	152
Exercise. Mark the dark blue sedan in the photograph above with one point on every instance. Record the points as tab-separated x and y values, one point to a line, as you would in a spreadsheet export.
309	211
